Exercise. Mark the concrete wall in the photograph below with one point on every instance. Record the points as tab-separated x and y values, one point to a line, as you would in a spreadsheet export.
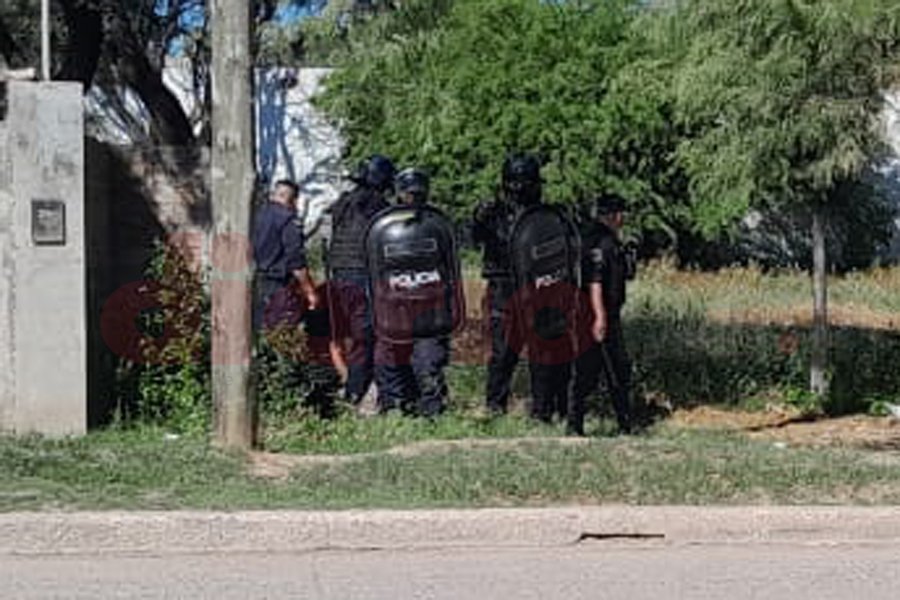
295	141
7	378
45	389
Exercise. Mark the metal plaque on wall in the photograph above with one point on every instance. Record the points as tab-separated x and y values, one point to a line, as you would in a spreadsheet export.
48	222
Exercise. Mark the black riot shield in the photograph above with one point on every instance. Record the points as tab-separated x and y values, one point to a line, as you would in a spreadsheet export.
414	267
544	251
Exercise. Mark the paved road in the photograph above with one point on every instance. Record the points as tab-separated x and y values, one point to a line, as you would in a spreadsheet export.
589	571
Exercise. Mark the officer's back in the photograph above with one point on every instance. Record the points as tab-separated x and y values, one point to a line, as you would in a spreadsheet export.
268	240
354	210
603	259
279	256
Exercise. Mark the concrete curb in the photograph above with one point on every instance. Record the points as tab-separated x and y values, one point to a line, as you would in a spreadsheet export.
196	532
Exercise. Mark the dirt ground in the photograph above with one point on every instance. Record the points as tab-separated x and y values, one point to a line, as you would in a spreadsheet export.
778	424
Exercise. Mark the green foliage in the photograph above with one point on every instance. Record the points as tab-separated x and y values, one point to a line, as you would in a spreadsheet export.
726	338
692	361
349	434
146	470
695	111
343	32
173	384
495	76
174	388
780	98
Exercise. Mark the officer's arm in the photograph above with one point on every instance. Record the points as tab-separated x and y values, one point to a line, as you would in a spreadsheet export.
598	327
595	274
307	286
292	238
481	228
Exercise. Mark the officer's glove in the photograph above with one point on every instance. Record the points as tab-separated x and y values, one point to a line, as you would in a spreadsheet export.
484	212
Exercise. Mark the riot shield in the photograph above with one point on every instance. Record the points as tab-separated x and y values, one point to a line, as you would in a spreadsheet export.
544	249
414	268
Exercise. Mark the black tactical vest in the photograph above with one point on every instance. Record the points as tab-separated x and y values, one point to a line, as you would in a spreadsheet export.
492	229
350	219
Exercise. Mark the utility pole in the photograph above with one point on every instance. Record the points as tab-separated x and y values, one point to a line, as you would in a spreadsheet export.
45	40
232	191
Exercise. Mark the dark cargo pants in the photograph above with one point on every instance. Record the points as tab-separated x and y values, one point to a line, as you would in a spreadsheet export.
550	375
411	376
351	318
610	359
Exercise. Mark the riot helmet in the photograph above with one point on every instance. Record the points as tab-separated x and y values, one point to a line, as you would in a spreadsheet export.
522	178
608	203
412	186
376	172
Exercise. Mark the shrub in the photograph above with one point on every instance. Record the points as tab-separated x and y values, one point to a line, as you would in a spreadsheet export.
172	388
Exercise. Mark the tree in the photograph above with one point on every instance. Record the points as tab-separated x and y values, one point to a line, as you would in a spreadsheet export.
113	45
456	89
781	99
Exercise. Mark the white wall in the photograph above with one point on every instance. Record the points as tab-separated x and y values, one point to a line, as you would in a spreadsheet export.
293	139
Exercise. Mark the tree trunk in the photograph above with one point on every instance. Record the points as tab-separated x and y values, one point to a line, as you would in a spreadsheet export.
818	381
232	189
81	55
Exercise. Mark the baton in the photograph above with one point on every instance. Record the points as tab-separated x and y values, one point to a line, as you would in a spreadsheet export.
611	372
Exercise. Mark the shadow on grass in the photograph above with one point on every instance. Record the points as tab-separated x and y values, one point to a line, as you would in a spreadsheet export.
690	360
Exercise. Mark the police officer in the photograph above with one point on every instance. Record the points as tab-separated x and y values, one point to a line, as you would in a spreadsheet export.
280	260
492	227
411	376
349	285
606	265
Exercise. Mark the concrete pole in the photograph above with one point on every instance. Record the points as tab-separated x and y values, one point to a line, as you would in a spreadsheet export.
232	191
45	40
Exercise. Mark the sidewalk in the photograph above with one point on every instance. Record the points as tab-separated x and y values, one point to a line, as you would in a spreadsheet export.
161	533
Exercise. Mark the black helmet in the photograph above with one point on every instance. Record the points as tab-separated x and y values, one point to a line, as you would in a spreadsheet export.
413	181
609	203
522	176
376	172
521	168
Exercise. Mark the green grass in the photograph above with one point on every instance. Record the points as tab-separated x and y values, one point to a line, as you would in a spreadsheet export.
730	336
142	470
349	435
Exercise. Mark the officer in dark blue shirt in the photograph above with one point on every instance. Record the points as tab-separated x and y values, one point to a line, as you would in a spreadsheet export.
280	258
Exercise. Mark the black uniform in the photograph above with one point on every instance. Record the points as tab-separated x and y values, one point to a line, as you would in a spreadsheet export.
493	224
410	376
277	251
604	261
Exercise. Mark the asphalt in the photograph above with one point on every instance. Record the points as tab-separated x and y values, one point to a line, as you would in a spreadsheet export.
634	570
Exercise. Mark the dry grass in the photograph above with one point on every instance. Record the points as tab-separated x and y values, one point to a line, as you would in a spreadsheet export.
782	424
868	299
738	295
